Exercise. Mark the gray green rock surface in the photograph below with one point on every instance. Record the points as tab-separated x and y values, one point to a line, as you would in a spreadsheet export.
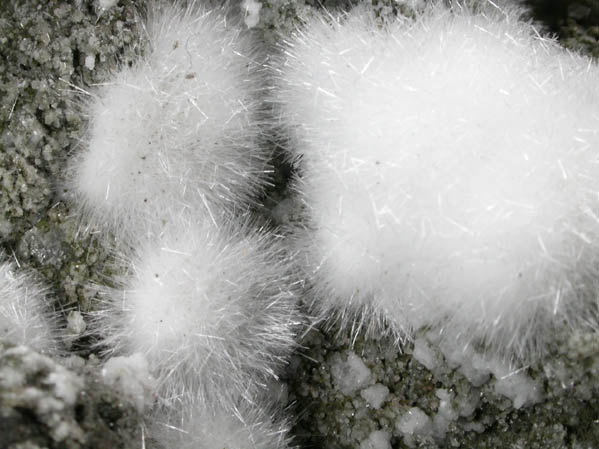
44	404
552	405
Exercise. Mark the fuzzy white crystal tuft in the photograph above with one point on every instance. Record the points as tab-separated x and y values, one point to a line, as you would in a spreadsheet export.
448	164
26	313
210	307
179	130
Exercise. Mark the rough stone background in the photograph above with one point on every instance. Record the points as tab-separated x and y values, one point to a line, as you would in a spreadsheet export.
51	53
44	404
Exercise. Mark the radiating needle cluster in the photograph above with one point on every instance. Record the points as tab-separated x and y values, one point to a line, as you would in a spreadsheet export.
448	165
175	160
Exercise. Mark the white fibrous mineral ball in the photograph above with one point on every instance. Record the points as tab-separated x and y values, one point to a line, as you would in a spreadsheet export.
26	313
179	130
211	308
203	426
449	167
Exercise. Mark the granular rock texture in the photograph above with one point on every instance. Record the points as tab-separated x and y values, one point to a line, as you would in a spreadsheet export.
49	50
43	404
348	392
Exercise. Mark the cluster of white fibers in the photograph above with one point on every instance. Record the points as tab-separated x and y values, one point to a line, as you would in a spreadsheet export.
247	425
26	314
209	306
180	129
450	166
